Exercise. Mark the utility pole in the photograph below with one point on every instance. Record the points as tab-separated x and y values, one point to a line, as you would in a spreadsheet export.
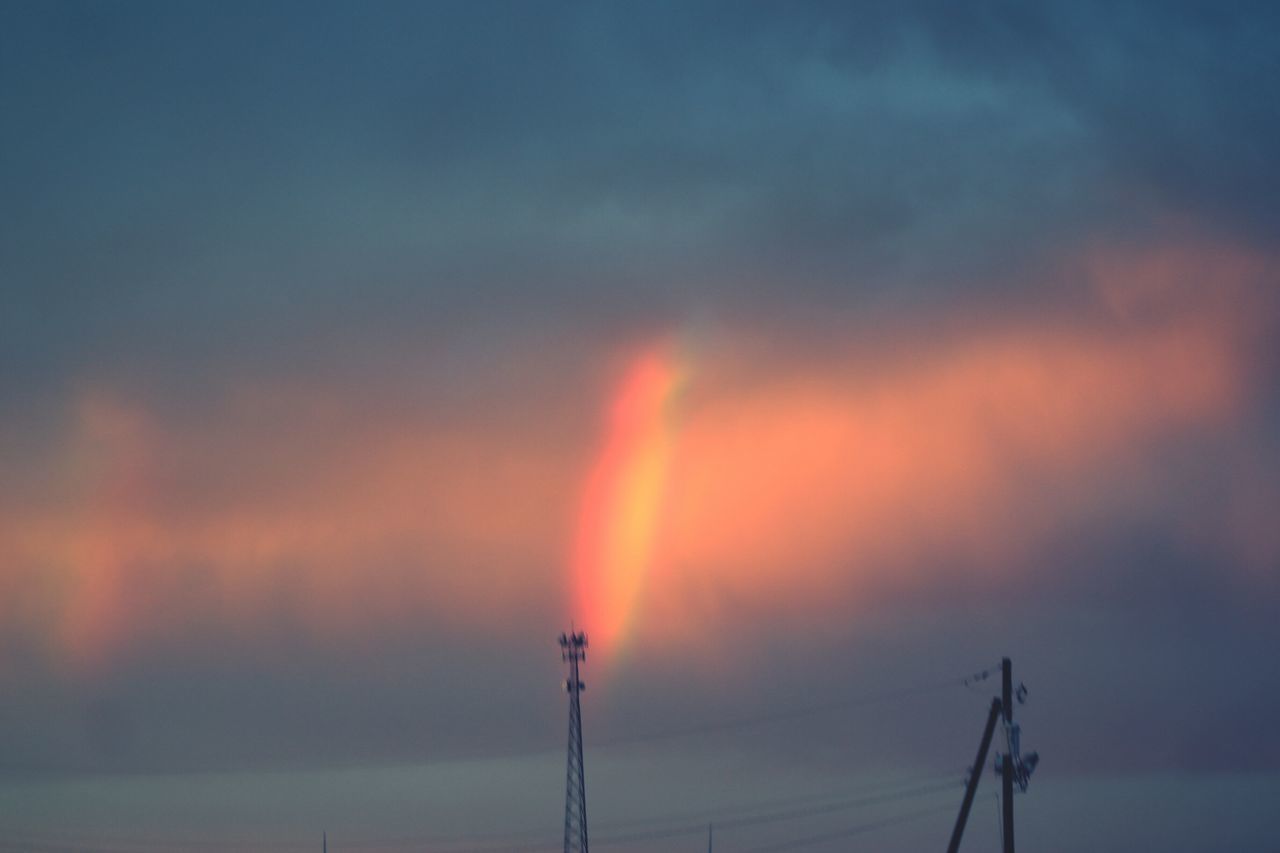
1011	766
1006	766
708	838
573	650
325	841
971	787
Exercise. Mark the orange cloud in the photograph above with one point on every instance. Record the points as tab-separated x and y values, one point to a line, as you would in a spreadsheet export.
801	486
946	449
347	524
804	490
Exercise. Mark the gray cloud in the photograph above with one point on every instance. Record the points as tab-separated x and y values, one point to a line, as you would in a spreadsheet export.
237	183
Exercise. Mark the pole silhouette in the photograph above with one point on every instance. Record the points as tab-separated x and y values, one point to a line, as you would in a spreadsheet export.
1006	765
1011	765
971	787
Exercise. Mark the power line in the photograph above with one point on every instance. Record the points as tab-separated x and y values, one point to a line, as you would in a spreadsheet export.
722	812
747	820
727	816
743	722
718	813
765	718
117	844
857	829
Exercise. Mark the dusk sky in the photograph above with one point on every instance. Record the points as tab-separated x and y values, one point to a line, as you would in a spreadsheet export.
809	357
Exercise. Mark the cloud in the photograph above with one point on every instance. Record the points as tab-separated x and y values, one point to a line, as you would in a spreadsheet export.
951	459
285	507
898	458
312	317
349	183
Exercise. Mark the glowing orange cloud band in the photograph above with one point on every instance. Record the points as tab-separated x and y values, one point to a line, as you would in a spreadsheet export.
794	487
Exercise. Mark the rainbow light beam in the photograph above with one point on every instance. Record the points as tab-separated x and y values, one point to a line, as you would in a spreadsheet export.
621	513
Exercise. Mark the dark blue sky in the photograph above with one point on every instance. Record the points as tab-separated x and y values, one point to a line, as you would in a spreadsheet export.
248	181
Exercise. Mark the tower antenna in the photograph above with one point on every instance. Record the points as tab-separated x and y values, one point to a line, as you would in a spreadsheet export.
573	650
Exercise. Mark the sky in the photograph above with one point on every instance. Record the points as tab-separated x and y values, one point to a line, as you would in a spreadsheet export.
809	357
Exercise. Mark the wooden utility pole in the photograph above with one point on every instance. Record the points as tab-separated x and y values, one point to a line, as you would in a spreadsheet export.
1006	764
1011	765
979	767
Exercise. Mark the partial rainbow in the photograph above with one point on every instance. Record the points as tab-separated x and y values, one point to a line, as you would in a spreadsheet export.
621	513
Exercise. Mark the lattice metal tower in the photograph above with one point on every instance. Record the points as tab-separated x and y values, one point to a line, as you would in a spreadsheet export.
573	650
